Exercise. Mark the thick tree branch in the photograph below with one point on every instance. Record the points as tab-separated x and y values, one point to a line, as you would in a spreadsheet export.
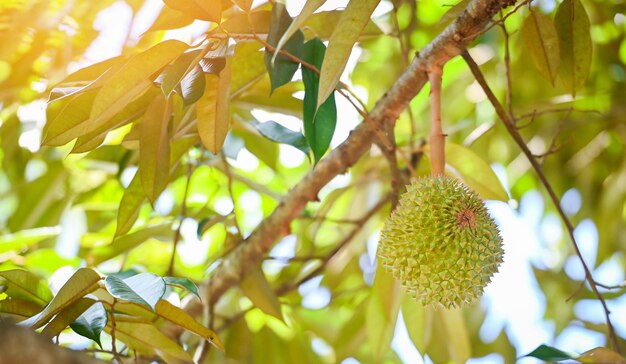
448	44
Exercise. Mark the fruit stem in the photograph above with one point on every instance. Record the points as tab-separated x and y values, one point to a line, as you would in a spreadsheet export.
437	137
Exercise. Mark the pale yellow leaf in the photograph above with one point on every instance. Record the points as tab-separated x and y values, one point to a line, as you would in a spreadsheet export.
307	11
459	344
84	281
382	313
121	88
154	148
542	43
213	112
181	318
601	355
147	339
353	21
258	290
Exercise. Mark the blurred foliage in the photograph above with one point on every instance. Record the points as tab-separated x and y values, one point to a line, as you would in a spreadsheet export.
76	203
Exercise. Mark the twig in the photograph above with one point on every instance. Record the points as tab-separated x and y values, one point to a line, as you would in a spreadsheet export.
229	176
507	66
183	214
510	127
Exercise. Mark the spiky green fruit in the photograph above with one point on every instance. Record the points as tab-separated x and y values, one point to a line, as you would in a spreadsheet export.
441	243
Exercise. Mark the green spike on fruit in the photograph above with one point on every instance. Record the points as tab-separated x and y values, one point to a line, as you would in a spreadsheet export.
441	243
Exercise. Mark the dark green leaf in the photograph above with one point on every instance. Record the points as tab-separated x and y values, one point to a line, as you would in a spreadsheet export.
318	127
192	86
91	323
573	27
282	69
174	74
549	353
144	289
279	134
185	283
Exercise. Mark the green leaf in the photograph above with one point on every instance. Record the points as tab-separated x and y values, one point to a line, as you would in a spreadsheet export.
64	115
22	284
125	243
198	9
247	66
146	339
82	282
143	289
90	73
474	171
129	81
382	313
154	148
542	42
309	7
574	30
549	353
279	134
183	319
24	238
353	21
64	318
184	283
281	68
213	110
319	123
91	323
131	112
174	74
258	290
131	202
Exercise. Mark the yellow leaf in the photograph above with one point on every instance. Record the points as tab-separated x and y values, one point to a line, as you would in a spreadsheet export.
459	344
353	21
382	312
474	171
542	43
258	290
84	281
601	355
64	318
154	148
181	318
147	339
213	110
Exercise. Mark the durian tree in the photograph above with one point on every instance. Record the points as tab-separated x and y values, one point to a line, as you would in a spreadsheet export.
313	181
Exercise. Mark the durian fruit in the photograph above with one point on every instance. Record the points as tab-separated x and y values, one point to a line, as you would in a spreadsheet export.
441	243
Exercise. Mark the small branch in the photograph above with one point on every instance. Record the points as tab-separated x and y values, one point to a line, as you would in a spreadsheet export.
437	137
183	214
510	127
